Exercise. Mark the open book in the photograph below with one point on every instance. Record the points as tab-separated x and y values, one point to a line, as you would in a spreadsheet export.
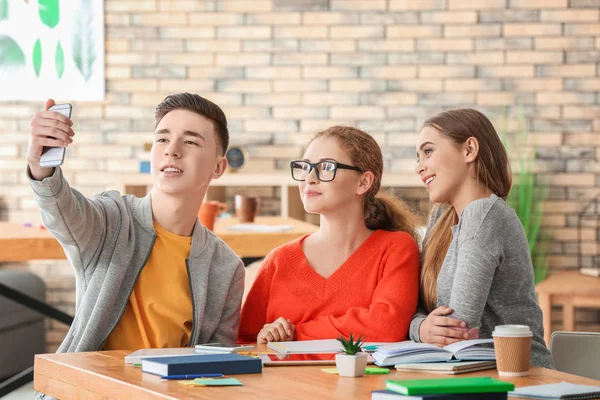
412	352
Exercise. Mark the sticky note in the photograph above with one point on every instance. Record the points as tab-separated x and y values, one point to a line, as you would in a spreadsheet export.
376	371
330	370
217	382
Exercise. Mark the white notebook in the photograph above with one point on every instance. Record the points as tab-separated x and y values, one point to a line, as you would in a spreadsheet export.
447	368
559	391
314	346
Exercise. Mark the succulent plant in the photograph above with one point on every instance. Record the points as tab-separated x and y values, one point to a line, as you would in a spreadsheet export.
351	347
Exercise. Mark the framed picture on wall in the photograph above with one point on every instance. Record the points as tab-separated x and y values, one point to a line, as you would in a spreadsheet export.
52	48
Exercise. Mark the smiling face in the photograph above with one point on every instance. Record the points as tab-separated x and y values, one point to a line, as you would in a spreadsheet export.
441	165
185	153
323	197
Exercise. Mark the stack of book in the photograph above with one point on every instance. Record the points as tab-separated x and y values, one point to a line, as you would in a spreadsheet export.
474	388
198	364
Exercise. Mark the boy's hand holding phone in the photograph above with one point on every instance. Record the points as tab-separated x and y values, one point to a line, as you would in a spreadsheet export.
49	129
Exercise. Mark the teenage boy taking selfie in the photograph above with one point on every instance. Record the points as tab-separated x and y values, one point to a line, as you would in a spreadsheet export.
148	275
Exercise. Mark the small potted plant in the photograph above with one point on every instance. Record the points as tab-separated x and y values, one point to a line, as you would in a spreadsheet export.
352	362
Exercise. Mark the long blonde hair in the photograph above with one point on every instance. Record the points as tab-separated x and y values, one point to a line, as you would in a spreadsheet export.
381	209
492	169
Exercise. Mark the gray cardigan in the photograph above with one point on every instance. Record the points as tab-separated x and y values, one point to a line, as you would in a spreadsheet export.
487	275
108	239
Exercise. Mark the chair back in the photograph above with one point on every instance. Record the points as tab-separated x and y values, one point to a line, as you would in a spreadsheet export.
576	353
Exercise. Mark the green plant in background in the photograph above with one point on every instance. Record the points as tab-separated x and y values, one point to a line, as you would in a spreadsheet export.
527	196
11	55
84	54
350	346
49	12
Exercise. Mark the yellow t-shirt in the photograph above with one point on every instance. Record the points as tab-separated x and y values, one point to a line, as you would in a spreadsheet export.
159	311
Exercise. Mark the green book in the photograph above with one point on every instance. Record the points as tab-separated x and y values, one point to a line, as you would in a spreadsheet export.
449	385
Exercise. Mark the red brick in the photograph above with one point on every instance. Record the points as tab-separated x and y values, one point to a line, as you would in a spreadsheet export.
531	29
536	84
535	4
534	57
389	72
218	19
478	5
575	112
301	32
472	85
413	5
245	6
386	45
470	31
572	70
413	31
569	15
507	71
446	71
488	57
563	98
444	44
449	17
358	5
563	43
582	29
495	98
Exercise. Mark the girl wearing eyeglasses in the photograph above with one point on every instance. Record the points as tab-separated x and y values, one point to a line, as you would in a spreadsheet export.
359	273
476	271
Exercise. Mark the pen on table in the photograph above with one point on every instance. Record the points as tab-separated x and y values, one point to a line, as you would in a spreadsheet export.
192	376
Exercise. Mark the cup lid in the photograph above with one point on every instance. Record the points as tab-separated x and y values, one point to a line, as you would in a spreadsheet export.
512	330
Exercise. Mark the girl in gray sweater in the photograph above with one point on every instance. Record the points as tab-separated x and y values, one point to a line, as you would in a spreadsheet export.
476	266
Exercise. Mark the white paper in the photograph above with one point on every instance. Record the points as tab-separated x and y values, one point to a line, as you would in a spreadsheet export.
313	346
554	390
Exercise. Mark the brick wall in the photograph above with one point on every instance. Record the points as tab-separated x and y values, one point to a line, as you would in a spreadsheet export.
282	69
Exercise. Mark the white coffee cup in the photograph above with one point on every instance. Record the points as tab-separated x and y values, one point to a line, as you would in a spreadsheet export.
512	345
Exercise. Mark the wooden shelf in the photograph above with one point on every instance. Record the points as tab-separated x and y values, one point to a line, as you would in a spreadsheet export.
291	205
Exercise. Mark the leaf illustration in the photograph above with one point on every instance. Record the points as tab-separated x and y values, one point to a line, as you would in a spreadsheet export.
84	54
59	60
11	55
3	9
37	57
49	12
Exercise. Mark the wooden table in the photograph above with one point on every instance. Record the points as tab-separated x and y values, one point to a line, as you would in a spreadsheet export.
104	375
569	289
259	244
19	243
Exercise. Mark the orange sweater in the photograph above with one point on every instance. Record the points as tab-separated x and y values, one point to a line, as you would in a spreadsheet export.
374	293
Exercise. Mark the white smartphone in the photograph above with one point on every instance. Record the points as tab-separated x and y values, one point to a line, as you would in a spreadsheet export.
221	348
55	156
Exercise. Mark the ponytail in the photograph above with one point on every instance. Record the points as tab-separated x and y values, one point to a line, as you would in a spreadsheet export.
434	252
387	212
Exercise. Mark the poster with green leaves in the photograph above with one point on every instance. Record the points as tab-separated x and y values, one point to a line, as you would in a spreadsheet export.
52	48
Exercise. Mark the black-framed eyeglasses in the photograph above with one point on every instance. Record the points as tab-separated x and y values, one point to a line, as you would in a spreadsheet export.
325	170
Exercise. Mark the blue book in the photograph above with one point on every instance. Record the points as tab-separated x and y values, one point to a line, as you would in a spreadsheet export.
226	364
389	395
